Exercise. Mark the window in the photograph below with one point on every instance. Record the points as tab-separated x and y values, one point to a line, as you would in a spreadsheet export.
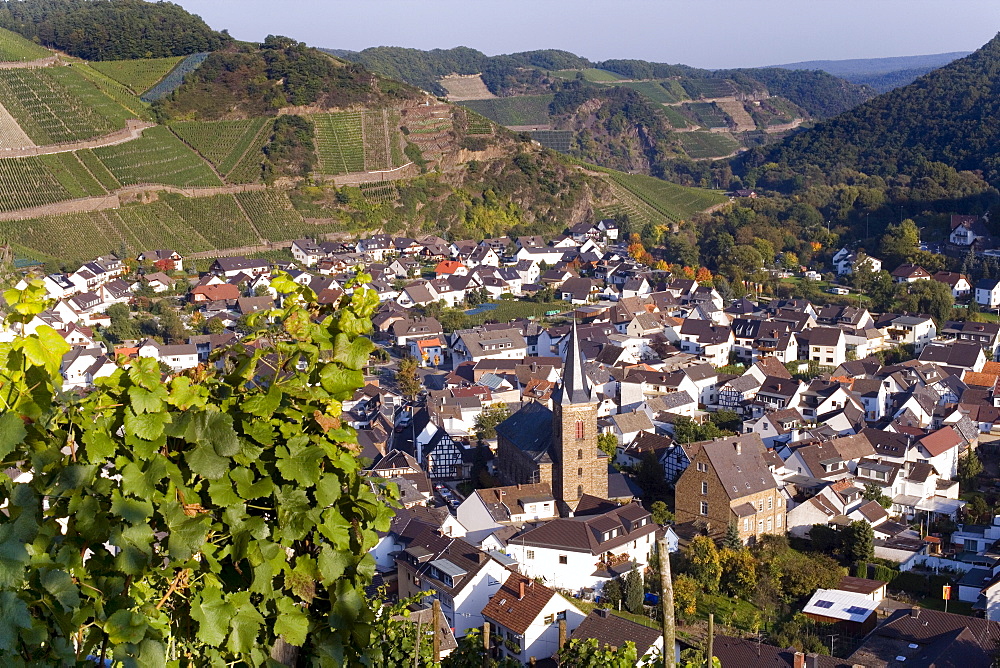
530	554
746	524
579	490
770	502
760	504
777	521
579	472
579	429
702	466
760	526
563	559
579	454
770	525
550	619
704	487
704	507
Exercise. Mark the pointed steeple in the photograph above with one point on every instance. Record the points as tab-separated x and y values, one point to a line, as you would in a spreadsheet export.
575	388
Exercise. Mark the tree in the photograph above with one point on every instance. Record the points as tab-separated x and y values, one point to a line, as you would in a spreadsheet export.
685	596
634	593
900	242
978	511
487	421
406	377
608	444
661	514
969	468
171	327
215	326
470	654
739	572
589	653
238	513
732	540
874	493
858	542
703	563
612	593
931	297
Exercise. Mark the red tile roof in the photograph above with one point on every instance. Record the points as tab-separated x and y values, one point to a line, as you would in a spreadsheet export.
516	613
941	441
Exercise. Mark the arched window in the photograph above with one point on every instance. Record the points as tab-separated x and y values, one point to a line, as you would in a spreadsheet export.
579	454
579	429
579	491
579	472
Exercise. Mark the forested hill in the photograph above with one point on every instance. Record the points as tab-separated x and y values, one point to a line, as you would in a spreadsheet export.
111	29
818	93
948	116
882	74
244	80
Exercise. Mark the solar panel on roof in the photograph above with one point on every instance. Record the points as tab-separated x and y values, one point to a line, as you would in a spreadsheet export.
824	604
855	610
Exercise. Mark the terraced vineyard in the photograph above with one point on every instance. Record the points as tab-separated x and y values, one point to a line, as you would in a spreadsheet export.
477	124
156	157
676	118
377	139
93	234
175	78
116	91
97	168
590	74
701	145
653	90
648	199
235	148
557	140
273	215
159	226
56	105
340	142
219	219
380	193
521	110
72	175
707	88
137	75
13	47
707	115
25	182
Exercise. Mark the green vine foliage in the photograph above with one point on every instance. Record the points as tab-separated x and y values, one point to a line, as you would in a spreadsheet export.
196	521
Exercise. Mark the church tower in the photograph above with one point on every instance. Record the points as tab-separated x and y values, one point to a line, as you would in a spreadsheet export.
579	465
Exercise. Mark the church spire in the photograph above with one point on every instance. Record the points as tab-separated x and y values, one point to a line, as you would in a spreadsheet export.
575	388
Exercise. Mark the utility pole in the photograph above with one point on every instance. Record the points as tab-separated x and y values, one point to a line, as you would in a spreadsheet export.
667	604
711	640
486	645
435	616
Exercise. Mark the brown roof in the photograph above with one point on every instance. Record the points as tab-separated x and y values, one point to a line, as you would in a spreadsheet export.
872	511
217	292
941	441
516	613
771	366
859	585
745	653
586	534
502	502
740	464
614	631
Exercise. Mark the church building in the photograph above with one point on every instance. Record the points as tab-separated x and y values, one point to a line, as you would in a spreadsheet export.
558	447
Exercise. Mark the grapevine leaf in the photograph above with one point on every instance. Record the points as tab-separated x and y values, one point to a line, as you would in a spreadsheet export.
133	511
147	426
333	563
263	404
183	394
146	401
152	654
215	428
203	461
353	355
61	586
15	615
145	372
222	492
125	626
212	614
12	432
292	623
187	534
341	383
247	488
245	625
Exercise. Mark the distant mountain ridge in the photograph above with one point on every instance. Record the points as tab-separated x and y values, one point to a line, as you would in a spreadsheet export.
881	74
945	116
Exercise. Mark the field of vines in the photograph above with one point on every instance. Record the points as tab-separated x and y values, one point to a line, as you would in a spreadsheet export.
175	78
25	182
651	89
56	105
73	175
477	124
520	110
707	144
273	215
156	225
97	168
156	157
13	47
557	140
340	142
138	75
707	88
673	201
93	234
233	147
675	117
590	74
116	91
219	219
707	115
377	139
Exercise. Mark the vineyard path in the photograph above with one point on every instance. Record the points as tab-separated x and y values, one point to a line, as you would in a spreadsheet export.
132	131
31	64
113	199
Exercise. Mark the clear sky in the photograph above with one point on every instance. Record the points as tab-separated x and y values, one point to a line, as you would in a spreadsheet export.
702	33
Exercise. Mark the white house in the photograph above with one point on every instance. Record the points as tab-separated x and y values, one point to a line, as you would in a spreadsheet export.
584	553
486	510
988	292
177	357
526	615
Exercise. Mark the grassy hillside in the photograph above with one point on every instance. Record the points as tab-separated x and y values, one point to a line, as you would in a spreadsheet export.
138	75
14	47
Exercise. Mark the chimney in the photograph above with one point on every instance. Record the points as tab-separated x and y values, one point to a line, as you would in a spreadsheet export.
520	590
799	660
812	660
601	612
739	447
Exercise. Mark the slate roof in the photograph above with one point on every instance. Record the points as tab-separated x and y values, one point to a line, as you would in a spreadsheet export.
585	534
742	470
502	502
529	429
739	652
613	631
513	612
